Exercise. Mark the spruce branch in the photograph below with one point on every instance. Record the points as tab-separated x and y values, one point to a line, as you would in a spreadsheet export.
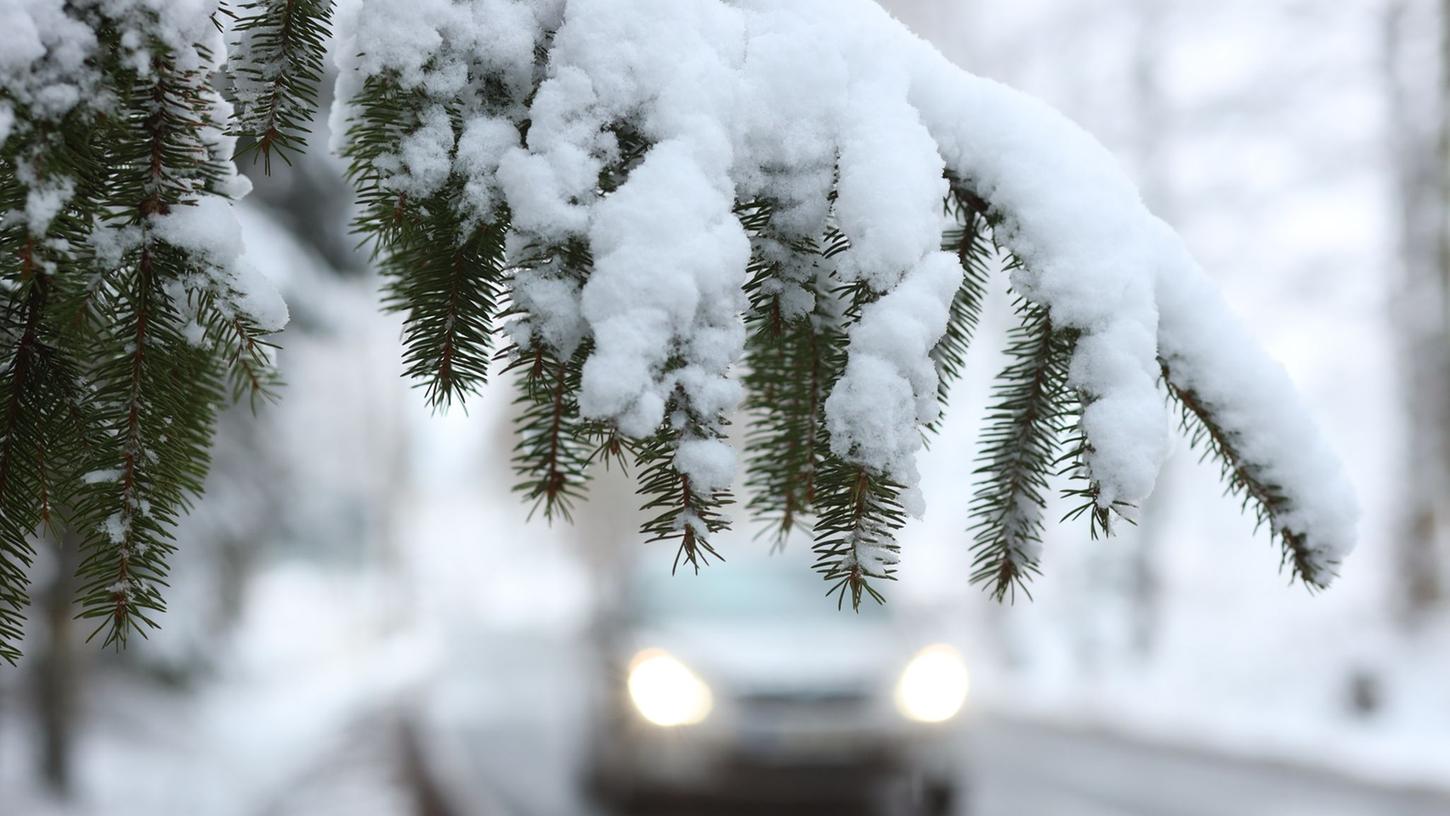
445	272
858	515
1019	448
43	429
21	393
276	65
156	390
1245	479
791	357
785	437
382	114
1084	490
970	239
448	287
40	395
974	242
556	446
245	350
858	511
680	511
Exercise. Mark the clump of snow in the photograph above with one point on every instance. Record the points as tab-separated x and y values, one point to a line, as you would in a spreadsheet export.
427	157
889	388
1090	252
552	301
480	150
888	198
209	231
790	129
710	464
206	228
116	527
668	216
44	201
111	242
43	64
7	122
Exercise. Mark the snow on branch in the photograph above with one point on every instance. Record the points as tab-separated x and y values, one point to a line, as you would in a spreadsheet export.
688	141
645	198
119	236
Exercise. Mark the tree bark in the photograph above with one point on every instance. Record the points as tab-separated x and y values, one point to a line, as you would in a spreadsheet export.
57	671
1420	314
1151	120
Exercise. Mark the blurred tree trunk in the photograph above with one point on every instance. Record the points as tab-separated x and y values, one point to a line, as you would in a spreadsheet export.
1419	140
1152	120
56	671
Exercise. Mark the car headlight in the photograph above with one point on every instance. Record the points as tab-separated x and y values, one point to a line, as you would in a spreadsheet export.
665	691
933	686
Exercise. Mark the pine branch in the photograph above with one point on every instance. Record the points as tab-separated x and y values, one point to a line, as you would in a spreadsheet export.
682	512
1085	490
789	371
970	240
555	447
156	393
448	288
244	349
786	433
858	511
1019	448
445	272
276	65
677	508
1245	480
39	388
42	429
20	484
858	514
975	244
382	115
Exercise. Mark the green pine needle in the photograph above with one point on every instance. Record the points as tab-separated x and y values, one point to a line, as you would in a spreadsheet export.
858	516
275	71
1021	443
679	511
1243	479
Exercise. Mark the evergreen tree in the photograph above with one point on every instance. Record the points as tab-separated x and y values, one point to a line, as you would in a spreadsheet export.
567	198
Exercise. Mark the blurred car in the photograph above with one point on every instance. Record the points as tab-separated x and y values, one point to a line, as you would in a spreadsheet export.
744	683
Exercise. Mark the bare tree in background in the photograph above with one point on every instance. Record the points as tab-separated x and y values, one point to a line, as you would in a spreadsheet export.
1419	138
1152	117
57	677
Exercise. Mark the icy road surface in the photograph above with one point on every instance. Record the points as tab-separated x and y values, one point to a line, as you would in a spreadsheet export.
1029	770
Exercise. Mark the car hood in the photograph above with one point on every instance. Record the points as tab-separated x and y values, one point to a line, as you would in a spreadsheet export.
756	657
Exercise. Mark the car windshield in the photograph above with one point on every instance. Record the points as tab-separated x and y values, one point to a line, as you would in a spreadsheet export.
782	586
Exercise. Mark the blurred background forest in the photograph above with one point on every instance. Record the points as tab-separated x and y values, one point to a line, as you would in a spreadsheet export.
359	610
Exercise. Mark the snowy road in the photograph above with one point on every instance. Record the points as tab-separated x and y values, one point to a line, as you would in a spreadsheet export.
523	747
1029	770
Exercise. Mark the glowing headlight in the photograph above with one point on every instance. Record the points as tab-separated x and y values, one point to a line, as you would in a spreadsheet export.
665	691
933	685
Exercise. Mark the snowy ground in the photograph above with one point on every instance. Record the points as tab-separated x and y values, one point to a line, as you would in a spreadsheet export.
395	725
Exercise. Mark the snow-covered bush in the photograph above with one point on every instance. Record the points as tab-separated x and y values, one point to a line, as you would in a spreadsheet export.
662	215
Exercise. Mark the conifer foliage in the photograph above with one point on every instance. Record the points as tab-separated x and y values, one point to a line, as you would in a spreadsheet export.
279	62
651	235
128	319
